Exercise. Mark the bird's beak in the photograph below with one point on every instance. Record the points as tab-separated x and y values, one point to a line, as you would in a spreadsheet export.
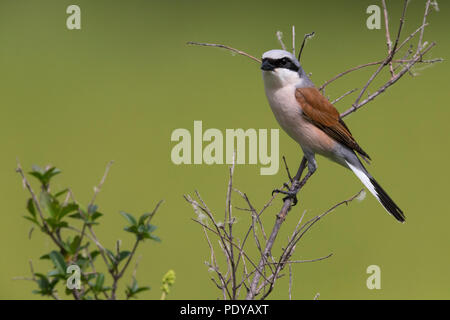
267	66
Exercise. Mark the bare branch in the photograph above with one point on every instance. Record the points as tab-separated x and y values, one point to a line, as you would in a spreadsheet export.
225	47
389	83
305	38
98	188
388	35
427	10
311	260
293	40
344	95
261	280
280	39
388	59
290	282
287	169
288	252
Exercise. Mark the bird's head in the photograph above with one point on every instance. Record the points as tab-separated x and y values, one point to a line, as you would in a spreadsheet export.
282	67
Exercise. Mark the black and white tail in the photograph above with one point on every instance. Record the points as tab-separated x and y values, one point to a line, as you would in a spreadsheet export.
374	188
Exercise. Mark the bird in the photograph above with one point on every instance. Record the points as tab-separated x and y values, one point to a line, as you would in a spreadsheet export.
314	123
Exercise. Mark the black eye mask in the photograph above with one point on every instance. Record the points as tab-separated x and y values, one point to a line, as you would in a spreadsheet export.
286	63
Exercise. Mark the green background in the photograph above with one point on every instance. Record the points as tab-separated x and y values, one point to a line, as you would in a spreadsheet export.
117	88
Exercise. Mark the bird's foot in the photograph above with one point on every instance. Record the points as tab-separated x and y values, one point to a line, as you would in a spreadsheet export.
289	194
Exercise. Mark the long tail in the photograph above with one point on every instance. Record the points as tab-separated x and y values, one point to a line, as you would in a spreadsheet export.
374	188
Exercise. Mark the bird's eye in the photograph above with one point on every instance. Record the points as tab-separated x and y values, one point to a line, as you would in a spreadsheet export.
284	62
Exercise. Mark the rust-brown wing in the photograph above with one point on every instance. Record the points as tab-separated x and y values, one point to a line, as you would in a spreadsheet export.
320	112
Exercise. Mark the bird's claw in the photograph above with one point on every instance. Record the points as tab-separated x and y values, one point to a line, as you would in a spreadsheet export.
289	195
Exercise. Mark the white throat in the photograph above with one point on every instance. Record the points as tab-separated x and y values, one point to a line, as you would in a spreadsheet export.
281	77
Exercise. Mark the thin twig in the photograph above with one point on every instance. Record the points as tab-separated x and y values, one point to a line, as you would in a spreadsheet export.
280	39
427	10
344	95
98	188
306	261
297	238
225	47
305	38
388	35
290	282
389	83
293	40
287	169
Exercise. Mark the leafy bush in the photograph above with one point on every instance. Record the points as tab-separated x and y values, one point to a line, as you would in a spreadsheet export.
77	251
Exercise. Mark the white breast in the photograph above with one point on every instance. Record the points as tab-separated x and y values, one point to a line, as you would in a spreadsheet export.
288	113
285	108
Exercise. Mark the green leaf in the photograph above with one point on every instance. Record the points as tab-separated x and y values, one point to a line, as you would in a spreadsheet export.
50	173
90	276
99	282
53	273
69	208
30	207
129	218
76	216
111	256
58	261
132	229
155	238
55	224
144	217
134	286
44	176
60	193
48	204
88	218
62	224
53	284
146	235
66	245
82	262
52	223
134	289
94	254
38	173
140	289
96	215
123	255
42	281
75	244
45	285
34	220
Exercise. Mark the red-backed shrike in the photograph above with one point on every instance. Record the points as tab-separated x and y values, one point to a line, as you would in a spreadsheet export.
314	123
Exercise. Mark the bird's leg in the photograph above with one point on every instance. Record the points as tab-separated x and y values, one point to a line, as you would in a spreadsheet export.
312	167
292	189
307	176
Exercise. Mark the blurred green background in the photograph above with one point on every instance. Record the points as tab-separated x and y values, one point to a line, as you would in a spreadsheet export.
117	88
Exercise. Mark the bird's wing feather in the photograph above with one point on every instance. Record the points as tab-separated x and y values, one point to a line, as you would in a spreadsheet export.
320	112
